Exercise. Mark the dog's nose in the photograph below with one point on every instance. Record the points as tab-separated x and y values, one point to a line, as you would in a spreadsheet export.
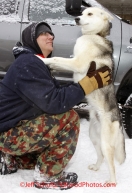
77	19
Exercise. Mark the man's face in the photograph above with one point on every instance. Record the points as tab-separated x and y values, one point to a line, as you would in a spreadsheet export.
45	42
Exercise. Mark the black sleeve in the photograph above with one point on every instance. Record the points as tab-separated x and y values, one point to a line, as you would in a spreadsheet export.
36	84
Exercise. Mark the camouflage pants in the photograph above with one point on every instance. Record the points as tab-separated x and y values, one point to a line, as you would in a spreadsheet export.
48	140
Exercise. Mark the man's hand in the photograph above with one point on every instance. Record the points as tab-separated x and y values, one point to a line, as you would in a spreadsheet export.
96	78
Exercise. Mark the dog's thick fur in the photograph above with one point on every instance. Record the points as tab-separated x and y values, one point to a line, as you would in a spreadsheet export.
105	122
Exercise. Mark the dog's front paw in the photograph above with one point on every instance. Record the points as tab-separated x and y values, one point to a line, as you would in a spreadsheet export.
93	167
46	61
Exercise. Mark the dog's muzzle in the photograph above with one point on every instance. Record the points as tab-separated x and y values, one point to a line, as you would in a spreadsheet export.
77	19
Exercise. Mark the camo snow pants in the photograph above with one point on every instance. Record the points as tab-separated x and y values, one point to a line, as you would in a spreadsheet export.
48	141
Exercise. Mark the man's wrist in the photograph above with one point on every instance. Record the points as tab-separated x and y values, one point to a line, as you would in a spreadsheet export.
88	84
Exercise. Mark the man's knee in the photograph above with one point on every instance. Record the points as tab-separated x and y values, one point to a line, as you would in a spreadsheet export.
72	123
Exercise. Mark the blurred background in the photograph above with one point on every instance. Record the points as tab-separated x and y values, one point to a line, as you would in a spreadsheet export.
122	8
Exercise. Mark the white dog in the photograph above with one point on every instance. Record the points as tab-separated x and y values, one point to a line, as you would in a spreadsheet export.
105	122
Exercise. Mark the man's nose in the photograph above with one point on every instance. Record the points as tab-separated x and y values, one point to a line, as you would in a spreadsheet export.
51	36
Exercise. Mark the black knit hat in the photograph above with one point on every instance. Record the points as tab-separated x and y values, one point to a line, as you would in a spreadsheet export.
31	33
43	28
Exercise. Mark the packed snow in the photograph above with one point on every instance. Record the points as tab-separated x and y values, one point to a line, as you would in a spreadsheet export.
22	181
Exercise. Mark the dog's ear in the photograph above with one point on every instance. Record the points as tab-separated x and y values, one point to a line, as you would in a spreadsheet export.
106	16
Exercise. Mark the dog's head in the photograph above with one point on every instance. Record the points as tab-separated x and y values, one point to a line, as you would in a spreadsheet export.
94	21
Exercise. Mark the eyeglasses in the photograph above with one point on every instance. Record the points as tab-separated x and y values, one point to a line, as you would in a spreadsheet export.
47	34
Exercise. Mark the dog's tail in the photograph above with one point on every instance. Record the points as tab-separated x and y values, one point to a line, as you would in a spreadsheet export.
120	153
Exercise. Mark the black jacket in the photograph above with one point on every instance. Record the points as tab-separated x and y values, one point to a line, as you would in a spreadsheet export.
28	90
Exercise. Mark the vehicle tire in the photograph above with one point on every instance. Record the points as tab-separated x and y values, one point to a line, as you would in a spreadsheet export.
127	116
125	88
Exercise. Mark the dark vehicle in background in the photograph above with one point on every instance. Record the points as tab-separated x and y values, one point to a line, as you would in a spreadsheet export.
15	15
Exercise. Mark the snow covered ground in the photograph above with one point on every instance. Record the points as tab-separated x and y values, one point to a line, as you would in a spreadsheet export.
85	155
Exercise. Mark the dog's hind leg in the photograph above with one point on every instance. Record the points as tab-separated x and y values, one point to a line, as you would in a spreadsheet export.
120	153
108	153
94	133
109	135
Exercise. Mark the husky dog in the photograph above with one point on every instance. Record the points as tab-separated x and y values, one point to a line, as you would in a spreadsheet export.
105	122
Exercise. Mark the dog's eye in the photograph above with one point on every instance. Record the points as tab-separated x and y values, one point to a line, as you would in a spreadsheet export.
90	14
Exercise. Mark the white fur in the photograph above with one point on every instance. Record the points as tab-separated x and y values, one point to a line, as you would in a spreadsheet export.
106	135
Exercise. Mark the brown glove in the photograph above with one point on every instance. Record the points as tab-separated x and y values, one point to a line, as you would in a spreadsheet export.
96	78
